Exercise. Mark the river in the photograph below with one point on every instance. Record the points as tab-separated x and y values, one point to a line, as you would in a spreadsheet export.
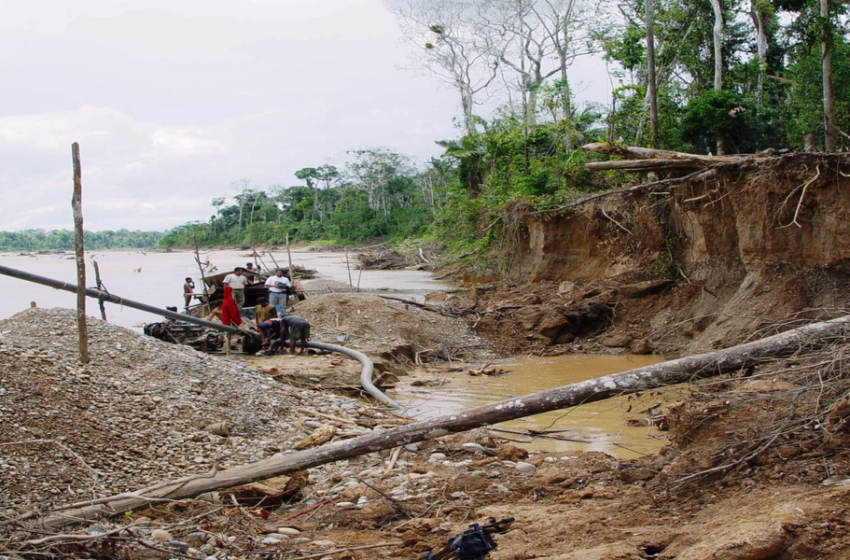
157	278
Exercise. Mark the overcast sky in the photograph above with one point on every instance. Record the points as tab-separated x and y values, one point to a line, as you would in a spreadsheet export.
174	101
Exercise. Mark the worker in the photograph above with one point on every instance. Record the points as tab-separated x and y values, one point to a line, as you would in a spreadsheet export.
230	314
250	271
279	288
237	282
263	313
188	292
294	327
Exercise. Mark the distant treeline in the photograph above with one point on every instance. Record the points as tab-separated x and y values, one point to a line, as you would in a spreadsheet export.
719	77
378	193
62	239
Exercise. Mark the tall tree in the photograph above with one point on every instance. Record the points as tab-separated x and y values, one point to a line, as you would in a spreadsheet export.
651	79
828	93
447	36
717	37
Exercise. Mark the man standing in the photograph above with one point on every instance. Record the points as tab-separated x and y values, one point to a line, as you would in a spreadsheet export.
188	292
249	271
237	282
279	288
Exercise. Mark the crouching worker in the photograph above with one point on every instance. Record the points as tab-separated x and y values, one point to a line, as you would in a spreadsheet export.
294	327
269	330
263	313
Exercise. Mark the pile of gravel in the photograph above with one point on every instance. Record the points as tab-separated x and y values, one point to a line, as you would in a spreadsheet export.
326	286
141	411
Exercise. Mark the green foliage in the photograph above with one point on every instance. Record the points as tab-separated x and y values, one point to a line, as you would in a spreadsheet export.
63	240
725	115
628	49
803	112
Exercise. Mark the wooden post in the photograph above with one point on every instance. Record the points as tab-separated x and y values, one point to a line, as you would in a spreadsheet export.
350	283
274	260
258	260
203	277
79	251
289	256
100	287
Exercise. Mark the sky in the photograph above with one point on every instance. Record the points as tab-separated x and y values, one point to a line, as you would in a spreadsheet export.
174	102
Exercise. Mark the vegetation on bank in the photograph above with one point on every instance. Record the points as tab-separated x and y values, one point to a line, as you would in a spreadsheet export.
63	240
706	76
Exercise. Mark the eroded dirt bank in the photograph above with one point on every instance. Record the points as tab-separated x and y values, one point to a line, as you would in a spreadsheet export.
676	270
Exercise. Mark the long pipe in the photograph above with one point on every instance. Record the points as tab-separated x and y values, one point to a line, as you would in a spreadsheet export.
106	296
365	373
367	368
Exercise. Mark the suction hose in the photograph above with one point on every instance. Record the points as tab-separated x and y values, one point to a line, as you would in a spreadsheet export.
365	374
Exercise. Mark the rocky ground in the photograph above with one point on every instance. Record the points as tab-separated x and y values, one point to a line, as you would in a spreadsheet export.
756	467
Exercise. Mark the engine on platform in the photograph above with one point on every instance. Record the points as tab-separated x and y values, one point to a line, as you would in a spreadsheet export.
199	338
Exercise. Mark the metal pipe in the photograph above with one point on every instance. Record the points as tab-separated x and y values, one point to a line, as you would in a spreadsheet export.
367	368
106	296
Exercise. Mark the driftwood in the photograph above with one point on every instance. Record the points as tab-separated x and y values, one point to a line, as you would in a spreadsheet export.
671	372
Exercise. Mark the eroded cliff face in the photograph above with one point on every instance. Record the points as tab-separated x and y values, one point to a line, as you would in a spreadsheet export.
757	246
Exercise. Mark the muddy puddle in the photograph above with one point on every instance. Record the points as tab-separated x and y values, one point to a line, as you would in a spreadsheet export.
600	426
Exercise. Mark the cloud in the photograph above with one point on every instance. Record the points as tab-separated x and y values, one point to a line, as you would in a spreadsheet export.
174	101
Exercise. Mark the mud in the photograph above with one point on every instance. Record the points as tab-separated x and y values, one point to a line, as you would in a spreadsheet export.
758	464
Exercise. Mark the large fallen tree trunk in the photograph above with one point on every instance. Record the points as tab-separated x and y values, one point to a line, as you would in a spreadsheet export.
643	164
659	375
636	152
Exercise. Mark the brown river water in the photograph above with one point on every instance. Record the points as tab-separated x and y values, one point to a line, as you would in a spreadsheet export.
599	426
157	279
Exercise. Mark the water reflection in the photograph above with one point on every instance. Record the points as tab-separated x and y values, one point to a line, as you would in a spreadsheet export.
598	426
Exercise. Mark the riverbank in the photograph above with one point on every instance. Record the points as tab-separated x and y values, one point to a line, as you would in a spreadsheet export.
741	478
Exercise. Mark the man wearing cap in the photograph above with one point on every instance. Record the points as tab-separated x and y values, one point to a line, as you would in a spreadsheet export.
237	283
279	288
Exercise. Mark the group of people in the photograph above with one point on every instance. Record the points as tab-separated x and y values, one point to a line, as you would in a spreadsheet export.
274	324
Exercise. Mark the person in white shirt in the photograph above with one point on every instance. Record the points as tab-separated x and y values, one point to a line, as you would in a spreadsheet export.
279	288
237	281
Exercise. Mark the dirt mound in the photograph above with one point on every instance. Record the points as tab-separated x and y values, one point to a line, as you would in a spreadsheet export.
141	411
325	286
378	321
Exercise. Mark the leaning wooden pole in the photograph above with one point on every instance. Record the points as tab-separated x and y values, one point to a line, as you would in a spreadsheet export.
641	379
206	299
79	251
289	256
100	287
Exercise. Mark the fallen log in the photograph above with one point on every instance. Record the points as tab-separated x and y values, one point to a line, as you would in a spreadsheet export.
643	164
636	152
699	175
672	372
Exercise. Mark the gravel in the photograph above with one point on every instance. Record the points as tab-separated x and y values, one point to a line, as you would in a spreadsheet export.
139	412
